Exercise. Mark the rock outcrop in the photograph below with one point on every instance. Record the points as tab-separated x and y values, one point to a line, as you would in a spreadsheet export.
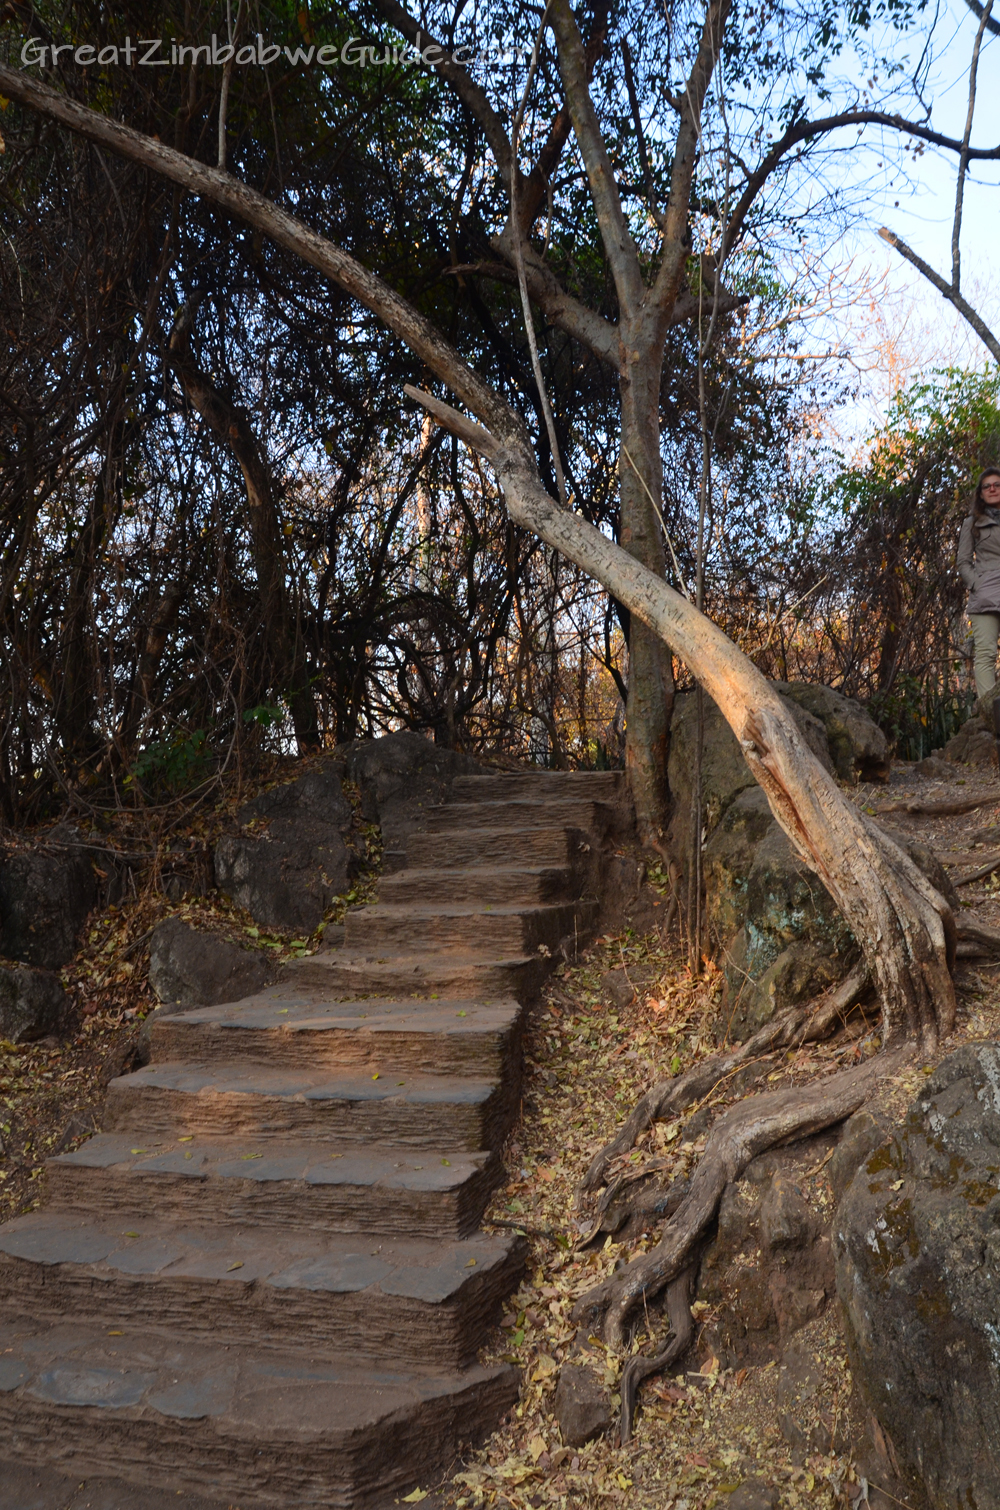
31	1003
917	1243
858	748
768	1271
399	776
45	896
290	858
188	968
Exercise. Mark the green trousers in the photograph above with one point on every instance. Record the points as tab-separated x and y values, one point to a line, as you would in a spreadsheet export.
985	631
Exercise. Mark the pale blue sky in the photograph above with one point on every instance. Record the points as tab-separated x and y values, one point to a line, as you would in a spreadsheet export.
926	328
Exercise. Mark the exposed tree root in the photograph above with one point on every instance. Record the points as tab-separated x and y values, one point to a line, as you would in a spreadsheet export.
747	1130
978	875
939	809
651	1201
679	1295
814	1020
971	930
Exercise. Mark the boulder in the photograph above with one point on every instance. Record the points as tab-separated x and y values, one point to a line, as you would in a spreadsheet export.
862	1134
45	896
793	941
724	772
582	1404
974	744
858	747
399	775
31	1003
188	968
290	859
917	1242
788	940
727	861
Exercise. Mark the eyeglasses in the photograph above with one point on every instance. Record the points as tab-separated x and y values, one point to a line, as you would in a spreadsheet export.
991	486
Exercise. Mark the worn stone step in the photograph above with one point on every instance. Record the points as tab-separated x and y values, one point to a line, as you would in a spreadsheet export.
515	813
221	1099
503	786
414	1301
308	1186
351	973
486	883
542	844
286	1025
503	930
259	1427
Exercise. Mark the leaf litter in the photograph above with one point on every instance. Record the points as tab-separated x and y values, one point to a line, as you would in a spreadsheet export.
701	1432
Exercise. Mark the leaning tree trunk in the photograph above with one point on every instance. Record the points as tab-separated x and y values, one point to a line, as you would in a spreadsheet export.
904	928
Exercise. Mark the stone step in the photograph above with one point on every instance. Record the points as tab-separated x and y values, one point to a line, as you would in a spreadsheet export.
310	1186
223	1100
286	1026
503	786
516	812
352	973
486	883
257	1427
473	848
504	931
410	1301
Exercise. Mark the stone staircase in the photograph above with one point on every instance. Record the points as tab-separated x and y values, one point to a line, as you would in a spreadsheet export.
264	1281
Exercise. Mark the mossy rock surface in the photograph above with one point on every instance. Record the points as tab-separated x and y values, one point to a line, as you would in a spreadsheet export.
917	1245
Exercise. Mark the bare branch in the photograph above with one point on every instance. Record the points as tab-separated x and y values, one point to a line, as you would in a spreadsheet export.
963	161
977	10
676	221
599	336
618	244
331	260
460	79
946	291
517	237
804	131
458	424
633	99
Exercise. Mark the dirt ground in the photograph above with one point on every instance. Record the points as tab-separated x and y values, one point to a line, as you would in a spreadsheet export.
628	1014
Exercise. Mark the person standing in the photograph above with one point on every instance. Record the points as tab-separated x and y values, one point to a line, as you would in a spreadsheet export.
979	564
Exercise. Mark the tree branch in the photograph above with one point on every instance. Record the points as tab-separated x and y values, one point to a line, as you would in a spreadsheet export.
946	291
963	160
804	131
676	219
977	10
618	244
247	204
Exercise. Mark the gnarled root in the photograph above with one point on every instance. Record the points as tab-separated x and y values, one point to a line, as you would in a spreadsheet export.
747	1130
814	1020
976	938
679	1295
